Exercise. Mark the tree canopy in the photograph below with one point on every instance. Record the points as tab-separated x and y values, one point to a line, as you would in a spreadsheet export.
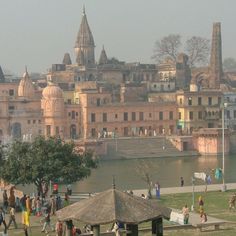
197	49
44	160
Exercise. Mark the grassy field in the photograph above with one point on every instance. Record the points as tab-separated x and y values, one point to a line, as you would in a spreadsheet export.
215	204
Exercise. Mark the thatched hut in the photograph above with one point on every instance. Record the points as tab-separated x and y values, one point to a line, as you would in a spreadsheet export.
116	206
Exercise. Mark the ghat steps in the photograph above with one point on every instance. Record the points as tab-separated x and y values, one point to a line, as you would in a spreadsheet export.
143	147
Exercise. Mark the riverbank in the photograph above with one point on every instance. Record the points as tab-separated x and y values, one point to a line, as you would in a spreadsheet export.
188	189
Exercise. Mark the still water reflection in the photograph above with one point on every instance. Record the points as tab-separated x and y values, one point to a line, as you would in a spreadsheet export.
165	170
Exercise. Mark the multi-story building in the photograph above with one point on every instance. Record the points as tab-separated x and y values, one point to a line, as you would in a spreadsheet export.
200	109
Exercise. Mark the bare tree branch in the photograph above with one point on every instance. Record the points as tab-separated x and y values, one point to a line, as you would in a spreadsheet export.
167	47
198	51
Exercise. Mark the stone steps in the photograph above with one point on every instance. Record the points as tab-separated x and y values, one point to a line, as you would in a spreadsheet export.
143	147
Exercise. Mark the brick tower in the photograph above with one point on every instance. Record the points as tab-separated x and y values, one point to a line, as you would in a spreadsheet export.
216	71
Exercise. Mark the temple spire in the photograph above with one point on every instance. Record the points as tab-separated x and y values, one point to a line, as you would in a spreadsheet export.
85	41
103	57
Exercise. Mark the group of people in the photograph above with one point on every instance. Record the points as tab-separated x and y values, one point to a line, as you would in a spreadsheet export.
38	206
203	215
9	206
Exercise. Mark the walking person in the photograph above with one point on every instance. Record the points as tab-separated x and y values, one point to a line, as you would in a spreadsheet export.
5	200
25	222
2	220
38	206
203	217
200	204
181	181
12	218
47	222
59	228
52	205
232	202
185	212
58	203
158	190
28	204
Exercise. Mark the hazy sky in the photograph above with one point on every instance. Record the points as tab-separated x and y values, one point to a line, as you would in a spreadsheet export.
37	33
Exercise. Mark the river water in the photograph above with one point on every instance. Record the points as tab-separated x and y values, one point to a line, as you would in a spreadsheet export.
167	171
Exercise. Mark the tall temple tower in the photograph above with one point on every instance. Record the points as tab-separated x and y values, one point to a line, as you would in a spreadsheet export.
216	71
85	43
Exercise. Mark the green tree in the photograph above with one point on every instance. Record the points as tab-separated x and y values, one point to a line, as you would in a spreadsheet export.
45	160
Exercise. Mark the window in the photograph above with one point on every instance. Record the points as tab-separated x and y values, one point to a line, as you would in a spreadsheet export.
161	115
200	115
73	115
228	114
93	117
180	101
34	121
11	108
11	92
190	115
209	101
48	130
234	113
180	115
104	117
93	132
69	113
125	116
219	100
28	121
141	116
199	101
69	101
190	101
76	113
150	115
116	116
1	133
133	116
171	115
98	102
39	121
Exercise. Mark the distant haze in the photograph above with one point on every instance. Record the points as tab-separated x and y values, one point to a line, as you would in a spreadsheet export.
37	33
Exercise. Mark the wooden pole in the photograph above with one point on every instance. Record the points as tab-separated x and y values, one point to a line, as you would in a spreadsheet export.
133	230
96	230
157	227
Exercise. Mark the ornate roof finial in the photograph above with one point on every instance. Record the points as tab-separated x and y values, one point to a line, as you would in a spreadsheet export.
83	10
26	71
113	182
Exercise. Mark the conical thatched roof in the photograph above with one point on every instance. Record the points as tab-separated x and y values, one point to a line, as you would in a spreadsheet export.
111	206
